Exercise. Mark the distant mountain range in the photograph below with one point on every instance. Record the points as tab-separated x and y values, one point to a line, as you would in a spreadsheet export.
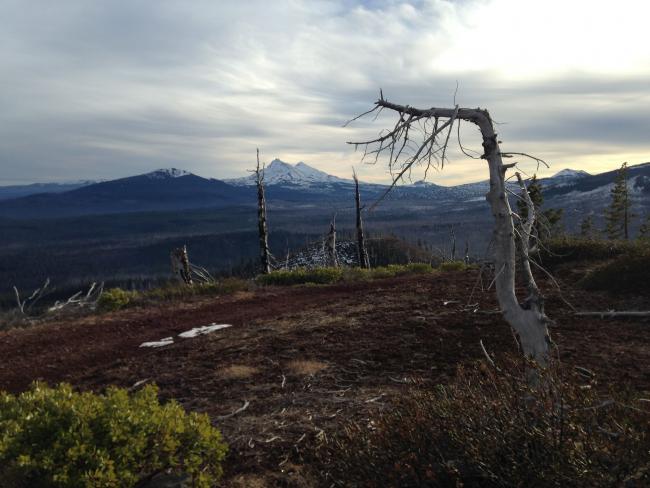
175	189
17	191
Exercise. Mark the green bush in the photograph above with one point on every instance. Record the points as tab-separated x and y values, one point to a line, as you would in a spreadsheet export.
54	437
331	275
399	270
321	276
356	274
115	299
382	272
626	273
300	276
452	266
419	268
489	429
573	249
176	290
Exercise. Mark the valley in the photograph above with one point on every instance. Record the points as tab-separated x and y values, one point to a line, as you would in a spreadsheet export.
122	231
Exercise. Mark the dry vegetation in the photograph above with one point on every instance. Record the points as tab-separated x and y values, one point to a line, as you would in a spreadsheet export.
389	363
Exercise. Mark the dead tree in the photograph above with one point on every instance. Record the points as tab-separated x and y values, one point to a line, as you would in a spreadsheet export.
330	245
181	265
453	244
362	253
25	305
466	258
265	254
414	140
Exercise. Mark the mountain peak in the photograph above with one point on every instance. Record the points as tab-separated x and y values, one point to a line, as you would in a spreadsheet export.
163	173
570	173
278	163
300	174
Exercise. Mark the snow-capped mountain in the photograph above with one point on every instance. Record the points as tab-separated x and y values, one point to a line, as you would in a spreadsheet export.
566	177
280	173
569	173
163	173
299	184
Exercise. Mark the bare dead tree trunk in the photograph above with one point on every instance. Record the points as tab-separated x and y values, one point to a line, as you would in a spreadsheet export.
466	258
527	320
453	244
330	246
361	245
265	254
534	298
181	265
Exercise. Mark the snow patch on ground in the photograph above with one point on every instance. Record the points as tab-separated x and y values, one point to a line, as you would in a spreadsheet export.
205	329
162	342
188	334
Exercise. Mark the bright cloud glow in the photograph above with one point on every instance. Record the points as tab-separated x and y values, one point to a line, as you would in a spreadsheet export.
95	89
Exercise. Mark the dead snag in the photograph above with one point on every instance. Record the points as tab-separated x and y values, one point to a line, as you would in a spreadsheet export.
362	254
265	254
330	246
181	265
414	140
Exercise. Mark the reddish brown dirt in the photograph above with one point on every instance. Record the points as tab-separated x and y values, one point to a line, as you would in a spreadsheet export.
309	358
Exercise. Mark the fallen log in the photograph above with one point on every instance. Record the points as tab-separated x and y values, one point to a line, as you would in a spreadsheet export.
613	313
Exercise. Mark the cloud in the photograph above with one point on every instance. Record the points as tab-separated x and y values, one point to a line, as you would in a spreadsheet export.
109	89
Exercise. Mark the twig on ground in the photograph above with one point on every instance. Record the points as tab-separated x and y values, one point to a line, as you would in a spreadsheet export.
239	410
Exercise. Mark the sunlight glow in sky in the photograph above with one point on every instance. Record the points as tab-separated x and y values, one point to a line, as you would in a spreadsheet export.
96	89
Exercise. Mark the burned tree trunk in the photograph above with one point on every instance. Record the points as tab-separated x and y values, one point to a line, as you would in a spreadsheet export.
362	254
181	265
527	320
265	254
453	244
330	246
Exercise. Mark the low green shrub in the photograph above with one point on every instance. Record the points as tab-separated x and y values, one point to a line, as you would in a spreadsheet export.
382	272
490	429
300	276
332	275
356	274
176	290
399	270
623	274
573	249
55	437
452	266
115	299
419	268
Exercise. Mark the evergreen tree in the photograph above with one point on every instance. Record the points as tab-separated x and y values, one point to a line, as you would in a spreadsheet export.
644	230
617	216
547	222
587	227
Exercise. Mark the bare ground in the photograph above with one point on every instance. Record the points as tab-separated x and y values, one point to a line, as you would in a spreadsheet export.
307	359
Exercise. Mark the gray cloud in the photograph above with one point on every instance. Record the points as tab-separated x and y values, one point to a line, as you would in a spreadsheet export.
107	89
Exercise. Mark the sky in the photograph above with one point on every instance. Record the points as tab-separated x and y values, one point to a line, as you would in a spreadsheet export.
95	89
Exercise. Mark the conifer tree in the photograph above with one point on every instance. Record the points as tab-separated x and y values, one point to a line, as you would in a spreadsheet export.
644	230
587	227
617	216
